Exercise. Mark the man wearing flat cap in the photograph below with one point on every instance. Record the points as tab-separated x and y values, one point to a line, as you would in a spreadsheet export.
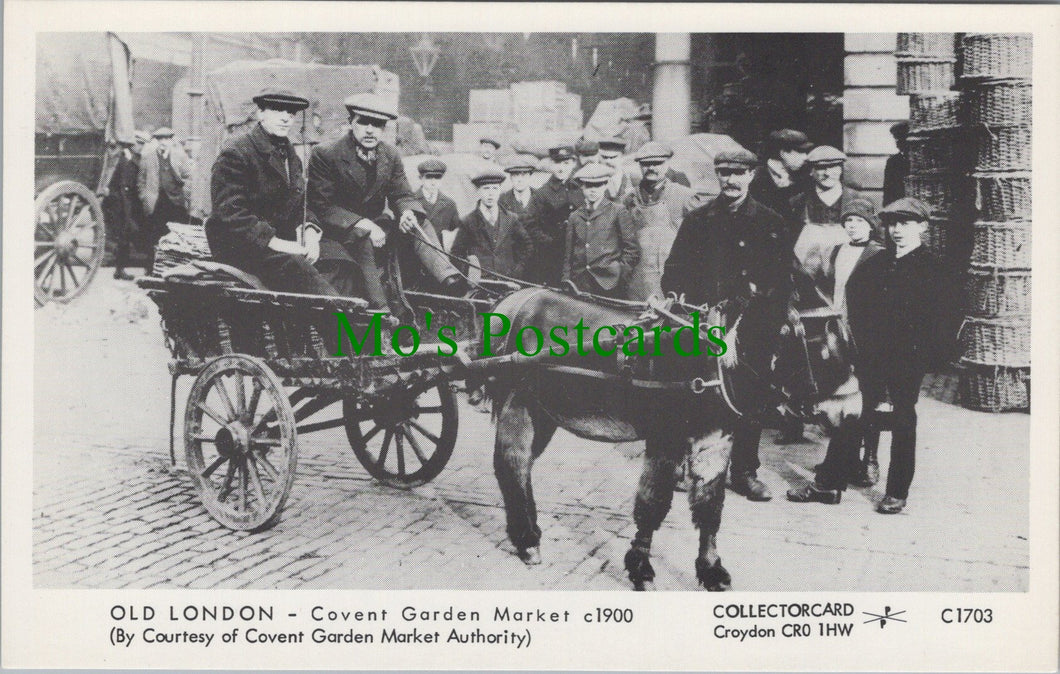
519	170
658	206
162	181
353	181
899	315
258	221
441	210
491	237
588	151
121	203
734	248
601	246
612	155
546	216
784	174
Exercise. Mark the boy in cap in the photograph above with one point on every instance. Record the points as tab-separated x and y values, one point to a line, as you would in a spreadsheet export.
491	238
517	199
734	248
898	317
440	209
353	180
657	206
601	248
784	173
487	148
546	216
257	191
588	151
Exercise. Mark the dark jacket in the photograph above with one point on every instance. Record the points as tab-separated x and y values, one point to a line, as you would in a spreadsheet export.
778	199
899	312
894	173
545	221
509	203
253	198
807	207
442	213
343	190
718	255
503	248
602	244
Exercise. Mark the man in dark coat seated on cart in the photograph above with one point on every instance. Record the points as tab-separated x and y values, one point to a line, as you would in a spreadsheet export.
257	192
352	181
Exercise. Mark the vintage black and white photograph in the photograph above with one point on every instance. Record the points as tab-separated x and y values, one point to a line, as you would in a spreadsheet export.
218	215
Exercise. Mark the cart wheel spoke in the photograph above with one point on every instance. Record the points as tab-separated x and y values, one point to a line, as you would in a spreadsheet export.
212	414
381	461
427	434
43	257
267	442
214	466
432	409
372	433
76	258
399	449
255	480
243	484
73	276
415	444
266	466
69	217
252	406
241	396
226	488
222	393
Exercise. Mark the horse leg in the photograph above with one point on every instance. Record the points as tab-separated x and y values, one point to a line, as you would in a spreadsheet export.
708	465
654	496
522	434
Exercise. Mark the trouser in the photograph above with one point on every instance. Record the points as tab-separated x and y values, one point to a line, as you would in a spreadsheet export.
364	278
587	283
746	436
165	212
843	459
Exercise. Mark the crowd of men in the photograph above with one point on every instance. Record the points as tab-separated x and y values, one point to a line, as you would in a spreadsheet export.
782	226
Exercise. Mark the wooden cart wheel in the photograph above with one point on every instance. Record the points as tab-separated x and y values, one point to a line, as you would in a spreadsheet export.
68	242
240	442
406	439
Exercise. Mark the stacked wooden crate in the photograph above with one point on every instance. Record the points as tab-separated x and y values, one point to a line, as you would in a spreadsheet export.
995	77
937	158
534	110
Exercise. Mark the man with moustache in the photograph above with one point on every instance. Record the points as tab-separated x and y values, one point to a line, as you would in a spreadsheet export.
657	206
353	181
611	155
733	248
546	216
257	193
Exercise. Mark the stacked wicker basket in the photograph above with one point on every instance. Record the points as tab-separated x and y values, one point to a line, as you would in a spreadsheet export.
937	159
995	78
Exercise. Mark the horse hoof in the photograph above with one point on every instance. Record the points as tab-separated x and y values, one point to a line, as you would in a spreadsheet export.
643	586
641	573
713	577
530	556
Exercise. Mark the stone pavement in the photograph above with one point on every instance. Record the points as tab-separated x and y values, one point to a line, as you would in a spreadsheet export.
109	512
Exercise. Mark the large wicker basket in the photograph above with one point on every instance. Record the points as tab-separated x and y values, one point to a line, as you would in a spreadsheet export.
1002	245
995	389
1000	103
1004	148
925	44
916	75
993	293
934	110
933	153
937	237
996	55
997	341
941	191
1003	197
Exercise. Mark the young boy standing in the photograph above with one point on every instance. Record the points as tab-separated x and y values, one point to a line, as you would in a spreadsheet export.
601	249
897	308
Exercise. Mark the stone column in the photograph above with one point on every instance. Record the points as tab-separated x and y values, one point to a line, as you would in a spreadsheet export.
870	107
672	92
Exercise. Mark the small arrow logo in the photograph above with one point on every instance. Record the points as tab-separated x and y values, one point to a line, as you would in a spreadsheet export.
887	615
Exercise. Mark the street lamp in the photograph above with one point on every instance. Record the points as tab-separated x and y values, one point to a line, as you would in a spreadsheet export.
425	56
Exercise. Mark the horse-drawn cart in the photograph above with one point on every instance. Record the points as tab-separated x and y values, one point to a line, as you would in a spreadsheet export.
84	108
264	377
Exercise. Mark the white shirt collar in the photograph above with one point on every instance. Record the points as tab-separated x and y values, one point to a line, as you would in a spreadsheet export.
490	214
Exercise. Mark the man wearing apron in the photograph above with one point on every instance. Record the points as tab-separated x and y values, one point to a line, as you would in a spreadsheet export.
658	207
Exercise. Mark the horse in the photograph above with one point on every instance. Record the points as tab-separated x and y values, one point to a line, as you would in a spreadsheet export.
683	407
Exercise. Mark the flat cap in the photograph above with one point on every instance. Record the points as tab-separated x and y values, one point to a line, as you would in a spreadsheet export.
491	175
561	152
280	97
825	155
613	144
141	136
587	148
370	105
492	141
790	139
593	174
653	151
742	158
521	164
432	168
862	208
162	132
906	207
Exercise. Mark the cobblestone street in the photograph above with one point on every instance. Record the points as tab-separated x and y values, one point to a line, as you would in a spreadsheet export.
109	512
